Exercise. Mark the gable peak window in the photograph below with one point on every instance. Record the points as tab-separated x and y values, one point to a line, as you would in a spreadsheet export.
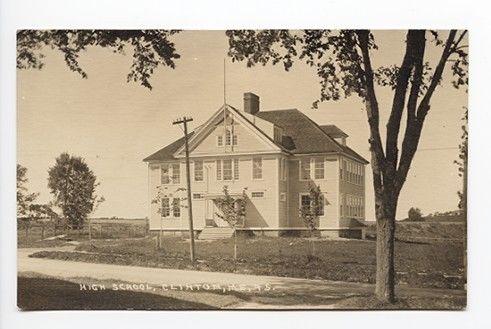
230	137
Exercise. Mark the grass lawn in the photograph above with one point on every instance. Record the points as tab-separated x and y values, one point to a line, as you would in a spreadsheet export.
36	293
435	264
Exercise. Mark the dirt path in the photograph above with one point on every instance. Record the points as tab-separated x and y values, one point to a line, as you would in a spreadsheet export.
277	291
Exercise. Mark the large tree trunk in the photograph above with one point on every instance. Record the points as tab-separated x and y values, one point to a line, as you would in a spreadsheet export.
385	274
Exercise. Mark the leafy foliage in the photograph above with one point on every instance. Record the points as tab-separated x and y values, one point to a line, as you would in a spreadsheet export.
233	212
336	56
73	185
414	214
24	198
163	192
42	211
310	213
462	162
151	48
343	60
233	209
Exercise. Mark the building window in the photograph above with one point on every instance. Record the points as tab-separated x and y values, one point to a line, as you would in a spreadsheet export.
227	169
351	172
176	207
219	169
236	169
283	169
228	137
168	171
176	173
257	194
220	140
197	196
345	168
305	202
351	206
283	196
164	174
305	169
257	168
234	139
319	168
165	211
198	171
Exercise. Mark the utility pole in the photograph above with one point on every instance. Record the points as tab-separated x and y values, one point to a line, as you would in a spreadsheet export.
185	121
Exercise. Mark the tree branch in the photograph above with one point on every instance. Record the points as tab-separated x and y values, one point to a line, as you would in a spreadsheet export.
456	44
376	149
414	40
415	123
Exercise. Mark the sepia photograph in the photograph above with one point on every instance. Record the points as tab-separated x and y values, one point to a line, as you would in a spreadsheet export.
242	169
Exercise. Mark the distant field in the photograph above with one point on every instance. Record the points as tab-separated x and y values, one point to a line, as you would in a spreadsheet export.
449	216
424	231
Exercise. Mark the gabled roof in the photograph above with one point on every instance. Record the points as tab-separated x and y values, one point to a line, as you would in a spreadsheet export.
304	136
301	136
237	115
167	153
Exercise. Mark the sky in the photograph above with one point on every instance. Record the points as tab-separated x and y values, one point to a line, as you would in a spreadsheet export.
114	124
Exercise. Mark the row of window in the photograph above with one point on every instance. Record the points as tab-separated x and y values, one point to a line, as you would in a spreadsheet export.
351	172
352	206
171	207
228	169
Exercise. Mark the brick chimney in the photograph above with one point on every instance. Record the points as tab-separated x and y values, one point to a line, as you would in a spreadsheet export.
251	103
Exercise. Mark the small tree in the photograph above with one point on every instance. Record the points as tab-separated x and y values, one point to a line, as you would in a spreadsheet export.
233	212
310	213
414	215
73	185
24	198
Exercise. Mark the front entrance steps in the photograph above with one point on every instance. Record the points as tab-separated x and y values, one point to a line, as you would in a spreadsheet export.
216	233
